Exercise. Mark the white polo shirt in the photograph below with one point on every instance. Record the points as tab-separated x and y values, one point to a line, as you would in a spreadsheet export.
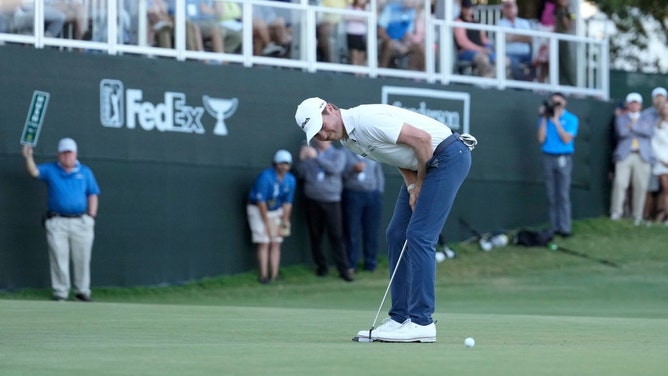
373	130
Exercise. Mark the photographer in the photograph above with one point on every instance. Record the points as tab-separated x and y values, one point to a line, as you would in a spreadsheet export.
557	129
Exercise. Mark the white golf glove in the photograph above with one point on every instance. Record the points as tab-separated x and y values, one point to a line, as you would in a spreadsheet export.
469	141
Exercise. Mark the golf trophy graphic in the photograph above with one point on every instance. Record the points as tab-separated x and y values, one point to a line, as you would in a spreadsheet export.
221	109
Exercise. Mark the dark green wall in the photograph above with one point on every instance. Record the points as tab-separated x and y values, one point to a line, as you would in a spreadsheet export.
622	83
172	203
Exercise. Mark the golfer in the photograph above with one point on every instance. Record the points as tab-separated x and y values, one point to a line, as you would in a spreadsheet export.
434	162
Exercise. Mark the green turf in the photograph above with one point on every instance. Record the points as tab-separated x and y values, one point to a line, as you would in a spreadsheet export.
531	311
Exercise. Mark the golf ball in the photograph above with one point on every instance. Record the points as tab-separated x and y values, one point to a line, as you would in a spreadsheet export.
469	342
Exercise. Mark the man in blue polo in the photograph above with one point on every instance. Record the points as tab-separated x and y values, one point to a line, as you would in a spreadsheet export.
70	219
268	210
557	129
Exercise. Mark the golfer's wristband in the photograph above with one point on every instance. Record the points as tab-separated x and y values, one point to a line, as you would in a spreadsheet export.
410	187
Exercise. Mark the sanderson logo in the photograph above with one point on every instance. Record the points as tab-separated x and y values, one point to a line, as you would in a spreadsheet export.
448	107
120	108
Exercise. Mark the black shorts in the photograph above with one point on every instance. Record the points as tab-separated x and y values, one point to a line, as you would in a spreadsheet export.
356	42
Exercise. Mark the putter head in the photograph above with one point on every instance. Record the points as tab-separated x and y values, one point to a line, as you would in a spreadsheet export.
362	339
367	339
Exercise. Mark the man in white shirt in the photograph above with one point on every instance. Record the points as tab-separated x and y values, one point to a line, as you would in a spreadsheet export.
433	162
518	46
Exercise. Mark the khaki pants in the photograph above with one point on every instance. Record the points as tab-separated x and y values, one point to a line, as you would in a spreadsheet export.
70	239
634	171
258	231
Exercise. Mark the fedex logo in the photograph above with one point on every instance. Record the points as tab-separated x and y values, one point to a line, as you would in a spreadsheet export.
171	115
119	108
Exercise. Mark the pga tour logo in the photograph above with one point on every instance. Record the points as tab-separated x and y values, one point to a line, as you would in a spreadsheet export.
119	107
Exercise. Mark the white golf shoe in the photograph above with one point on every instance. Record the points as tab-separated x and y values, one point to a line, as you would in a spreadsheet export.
408	332
388	325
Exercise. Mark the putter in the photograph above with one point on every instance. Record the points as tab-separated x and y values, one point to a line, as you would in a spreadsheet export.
555	247
368	339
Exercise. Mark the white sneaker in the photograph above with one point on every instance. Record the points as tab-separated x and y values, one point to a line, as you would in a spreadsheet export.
409	332
388	325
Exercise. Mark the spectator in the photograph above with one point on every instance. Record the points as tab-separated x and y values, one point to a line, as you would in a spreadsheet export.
659	97
75	14
660	168
356	33
7	10
161	26
269	209
397	35
653	189
54	19
157	20
327	28
433	162
633	159
473	45
363	185
271	32
564	23
321	168
203	14
557	129
70	220
546	14
518	46
542	54
417	39
230	15
99	20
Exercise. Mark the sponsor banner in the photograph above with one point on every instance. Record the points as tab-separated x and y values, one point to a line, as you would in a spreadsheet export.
127	108
449	107
35	118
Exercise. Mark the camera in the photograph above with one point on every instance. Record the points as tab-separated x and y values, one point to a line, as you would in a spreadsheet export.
548	108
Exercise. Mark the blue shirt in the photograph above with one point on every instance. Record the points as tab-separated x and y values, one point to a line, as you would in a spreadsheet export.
397	20
553	143
68	191
267	188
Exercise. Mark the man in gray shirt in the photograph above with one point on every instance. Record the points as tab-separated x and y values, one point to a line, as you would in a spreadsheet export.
320	168
363	185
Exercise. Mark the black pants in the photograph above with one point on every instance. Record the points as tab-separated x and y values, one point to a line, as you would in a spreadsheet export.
321	217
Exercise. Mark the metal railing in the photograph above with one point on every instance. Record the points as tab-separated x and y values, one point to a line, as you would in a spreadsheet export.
131	29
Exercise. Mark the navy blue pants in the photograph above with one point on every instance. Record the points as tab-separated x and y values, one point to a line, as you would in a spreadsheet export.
362	214
413	286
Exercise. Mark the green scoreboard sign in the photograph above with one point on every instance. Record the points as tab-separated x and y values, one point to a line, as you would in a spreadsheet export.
35	118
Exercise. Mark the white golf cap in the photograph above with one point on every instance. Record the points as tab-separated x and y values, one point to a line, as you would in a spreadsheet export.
633	97
67	144
283	156
659	91
309	116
